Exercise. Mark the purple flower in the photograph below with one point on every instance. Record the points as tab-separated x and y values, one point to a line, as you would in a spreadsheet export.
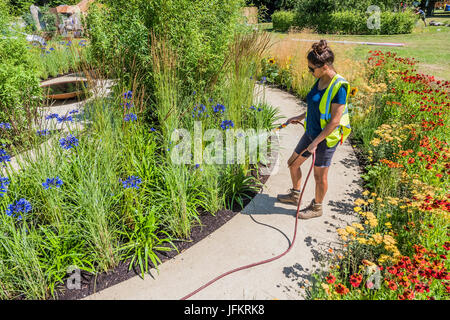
57	182
130	117
69	142
131	182
21	206
64	118
52	116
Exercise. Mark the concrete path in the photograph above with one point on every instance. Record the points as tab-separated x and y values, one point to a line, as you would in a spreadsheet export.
262	230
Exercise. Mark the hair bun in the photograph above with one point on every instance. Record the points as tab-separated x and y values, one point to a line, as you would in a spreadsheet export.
320	47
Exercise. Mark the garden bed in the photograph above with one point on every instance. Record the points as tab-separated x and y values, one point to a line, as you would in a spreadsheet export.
209	223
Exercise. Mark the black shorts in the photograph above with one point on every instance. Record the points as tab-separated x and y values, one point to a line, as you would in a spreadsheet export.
324	154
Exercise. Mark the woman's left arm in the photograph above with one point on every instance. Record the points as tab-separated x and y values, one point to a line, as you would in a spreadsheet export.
336	114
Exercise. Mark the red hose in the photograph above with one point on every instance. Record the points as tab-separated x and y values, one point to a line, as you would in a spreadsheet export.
268	260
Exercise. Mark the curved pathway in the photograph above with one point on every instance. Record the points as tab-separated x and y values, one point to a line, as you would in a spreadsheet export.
262	230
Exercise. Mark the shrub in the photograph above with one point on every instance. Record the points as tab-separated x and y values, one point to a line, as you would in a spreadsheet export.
283	20
200	30
18	80
350	17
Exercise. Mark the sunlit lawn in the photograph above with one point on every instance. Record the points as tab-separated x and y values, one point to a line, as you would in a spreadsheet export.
429	45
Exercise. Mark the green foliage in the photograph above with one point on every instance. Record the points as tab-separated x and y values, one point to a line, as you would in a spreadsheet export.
283	20
270	6
19	84
355	22
49	19
351	17
19	7
200	31
143	240
236	185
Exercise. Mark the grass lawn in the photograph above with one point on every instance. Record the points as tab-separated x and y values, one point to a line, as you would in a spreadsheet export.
429	45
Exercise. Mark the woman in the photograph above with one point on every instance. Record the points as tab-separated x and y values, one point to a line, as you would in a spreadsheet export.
326	124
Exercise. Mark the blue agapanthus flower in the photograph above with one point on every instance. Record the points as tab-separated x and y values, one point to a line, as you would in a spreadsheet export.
128	94
43	132
5	125
74	111
199	110
69	142
64	119
52	116
226	124
152	129
130	117
52	182
131	182
219	107
4	157
4	182
21	206
253	107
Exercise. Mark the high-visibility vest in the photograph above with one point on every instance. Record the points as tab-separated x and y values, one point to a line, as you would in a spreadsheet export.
343	129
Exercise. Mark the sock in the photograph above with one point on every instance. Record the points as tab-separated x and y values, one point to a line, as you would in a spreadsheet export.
296	190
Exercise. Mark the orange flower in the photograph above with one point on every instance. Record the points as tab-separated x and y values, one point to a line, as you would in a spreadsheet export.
341	289
330	278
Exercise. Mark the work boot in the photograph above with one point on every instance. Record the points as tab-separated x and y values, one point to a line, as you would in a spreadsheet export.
290	198
312	211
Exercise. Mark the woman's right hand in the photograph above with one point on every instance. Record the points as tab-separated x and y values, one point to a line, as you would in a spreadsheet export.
295	120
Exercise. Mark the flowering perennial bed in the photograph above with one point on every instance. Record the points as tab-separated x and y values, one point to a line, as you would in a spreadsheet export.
400	248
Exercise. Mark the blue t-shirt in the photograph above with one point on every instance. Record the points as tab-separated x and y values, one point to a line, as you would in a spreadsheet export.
313	128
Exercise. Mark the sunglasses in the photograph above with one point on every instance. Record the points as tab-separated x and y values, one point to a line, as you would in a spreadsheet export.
313	69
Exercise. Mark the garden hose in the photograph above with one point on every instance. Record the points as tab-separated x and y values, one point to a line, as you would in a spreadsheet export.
271	259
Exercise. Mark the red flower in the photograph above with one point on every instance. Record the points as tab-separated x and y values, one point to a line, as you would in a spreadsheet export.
411	160
392	270
330	278
341	289
446	245
407	295
392	285
355	280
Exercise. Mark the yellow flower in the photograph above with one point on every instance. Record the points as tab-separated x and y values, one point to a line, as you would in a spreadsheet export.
370	201
353	91
357	209
378	238
350	230
358	225
362	240
271	60
388	225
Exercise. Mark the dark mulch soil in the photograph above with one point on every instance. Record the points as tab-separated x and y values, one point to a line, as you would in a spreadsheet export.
209	223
